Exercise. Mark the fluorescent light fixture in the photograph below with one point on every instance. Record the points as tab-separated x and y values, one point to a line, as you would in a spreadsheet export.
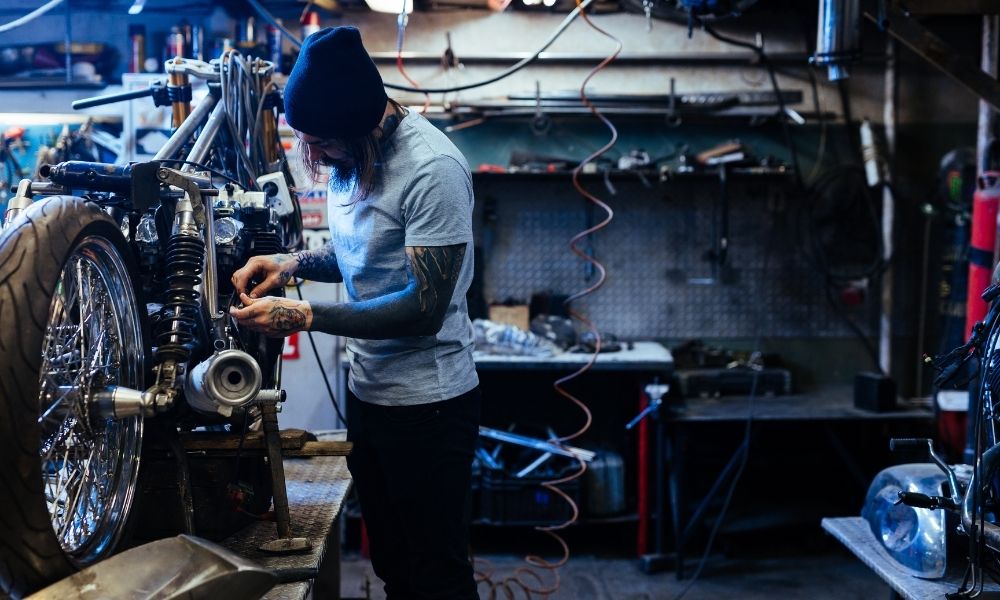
137	7
388	6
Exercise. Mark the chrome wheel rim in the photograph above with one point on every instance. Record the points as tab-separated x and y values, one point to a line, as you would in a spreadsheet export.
93	340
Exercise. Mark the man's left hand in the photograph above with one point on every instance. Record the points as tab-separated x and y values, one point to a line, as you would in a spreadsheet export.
273	317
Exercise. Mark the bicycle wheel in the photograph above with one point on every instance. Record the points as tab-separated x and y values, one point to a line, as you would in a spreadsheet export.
74	327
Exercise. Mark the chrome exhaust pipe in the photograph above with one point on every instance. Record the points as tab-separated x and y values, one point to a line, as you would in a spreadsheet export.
228	379
970	521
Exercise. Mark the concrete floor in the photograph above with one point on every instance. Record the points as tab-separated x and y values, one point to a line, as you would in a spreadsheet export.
832	574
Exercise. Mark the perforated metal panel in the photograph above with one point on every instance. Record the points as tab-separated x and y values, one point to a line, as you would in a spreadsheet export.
653	250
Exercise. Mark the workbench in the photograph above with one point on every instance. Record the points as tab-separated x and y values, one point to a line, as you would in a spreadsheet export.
613	391
824	408
643	362
634	356
857	536
317	488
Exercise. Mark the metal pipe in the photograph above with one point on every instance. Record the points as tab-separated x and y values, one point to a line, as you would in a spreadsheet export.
179	109
990	531
579	58
198	152
988	62
544	446
211	279
837	36
68	40
187	128
888	209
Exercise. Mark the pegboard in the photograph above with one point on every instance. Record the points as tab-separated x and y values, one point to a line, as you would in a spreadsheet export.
653	249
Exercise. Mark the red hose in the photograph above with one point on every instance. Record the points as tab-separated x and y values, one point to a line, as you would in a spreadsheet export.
517	581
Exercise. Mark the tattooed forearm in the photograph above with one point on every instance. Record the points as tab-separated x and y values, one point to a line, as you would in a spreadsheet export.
318	265
285	319
418	309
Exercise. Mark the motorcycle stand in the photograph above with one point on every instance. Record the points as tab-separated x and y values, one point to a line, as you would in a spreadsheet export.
285	544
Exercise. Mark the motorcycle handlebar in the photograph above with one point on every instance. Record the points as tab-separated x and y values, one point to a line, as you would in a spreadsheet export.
111	98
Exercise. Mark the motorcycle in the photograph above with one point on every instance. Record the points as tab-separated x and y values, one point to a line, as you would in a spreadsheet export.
114	290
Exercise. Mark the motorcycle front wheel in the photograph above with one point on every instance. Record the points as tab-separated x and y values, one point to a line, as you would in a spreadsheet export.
71	326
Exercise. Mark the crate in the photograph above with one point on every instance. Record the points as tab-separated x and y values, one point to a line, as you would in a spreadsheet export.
507	500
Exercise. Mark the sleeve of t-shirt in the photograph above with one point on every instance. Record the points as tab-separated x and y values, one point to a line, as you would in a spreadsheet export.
437	207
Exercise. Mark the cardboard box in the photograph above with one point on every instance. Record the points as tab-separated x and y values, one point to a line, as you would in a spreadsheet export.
516	315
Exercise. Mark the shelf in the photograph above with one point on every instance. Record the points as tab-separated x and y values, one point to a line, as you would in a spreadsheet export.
48	83
637	175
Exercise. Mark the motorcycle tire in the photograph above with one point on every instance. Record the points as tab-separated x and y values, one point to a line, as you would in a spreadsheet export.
72	320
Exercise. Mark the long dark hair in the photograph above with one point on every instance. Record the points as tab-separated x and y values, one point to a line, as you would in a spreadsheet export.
366	154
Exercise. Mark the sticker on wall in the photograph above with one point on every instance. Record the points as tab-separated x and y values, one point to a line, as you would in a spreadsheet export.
313	205
291	349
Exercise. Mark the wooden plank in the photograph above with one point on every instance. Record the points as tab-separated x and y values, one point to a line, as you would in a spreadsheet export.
322	449
291	439
939	53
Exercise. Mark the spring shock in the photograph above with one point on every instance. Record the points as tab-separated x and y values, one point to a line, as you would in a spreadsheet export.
185	259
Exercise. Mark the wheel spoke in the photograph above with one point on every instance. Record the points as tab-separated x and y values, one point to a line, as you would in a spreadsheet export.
88	464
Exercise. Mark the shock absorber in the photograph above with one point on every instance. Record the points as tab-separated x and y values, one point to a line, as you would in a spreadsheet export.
185	259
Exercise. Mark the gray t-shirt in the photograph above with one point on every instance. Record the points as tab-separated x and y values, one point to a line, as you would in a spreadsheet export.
422	197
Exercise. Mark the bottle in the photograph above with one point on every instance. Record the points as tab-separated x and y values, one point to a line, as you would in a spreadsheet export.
310	23
274	46
198	42
137	48
175	43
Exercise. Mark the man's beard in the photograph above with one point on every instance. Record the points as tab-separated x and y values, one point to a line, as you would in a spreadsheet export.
342	172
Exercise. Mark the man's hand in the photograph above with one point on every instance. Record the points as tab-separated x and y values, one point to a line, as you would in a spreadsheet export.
272	271
273	317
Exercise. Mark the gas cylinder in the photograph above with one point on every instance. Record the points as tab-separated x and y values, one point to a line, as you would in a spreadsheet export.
983	242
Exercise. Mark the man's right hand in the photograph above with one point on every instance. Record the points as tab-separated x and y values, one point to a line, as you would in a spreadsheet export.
272	271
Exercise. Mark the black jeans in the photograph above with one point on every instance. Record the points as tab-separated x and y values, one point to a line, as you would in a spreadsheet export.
412	467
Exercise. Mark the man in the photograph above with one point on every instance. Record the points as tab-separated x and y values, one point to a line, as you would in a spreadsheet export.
400	211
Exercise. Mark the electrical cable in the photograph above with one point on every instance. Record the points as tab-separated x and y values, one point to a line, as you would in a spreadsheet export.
821	144
400	36
576	12
744	448
319	363
766	62
518	581
41	10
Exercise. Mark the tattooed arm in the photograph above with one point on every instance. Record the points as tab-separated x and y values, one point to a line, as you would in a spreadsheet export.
417	309
275	270
318	265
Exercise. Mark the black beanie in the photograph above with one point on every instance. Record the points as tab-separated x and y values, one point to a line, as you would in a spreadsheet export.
334	89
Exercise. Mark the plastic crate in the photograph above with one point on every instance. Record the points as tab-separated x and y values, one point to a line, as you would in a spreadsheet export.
506	500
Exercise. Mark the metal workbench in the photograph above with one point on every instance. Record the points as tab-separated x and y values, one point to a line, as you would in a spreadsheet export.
824	408
317	488
636	356
857	536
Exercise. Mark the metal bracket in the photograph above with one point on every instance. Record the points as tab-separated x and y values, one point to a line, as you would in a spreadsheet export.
190	66
185	182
